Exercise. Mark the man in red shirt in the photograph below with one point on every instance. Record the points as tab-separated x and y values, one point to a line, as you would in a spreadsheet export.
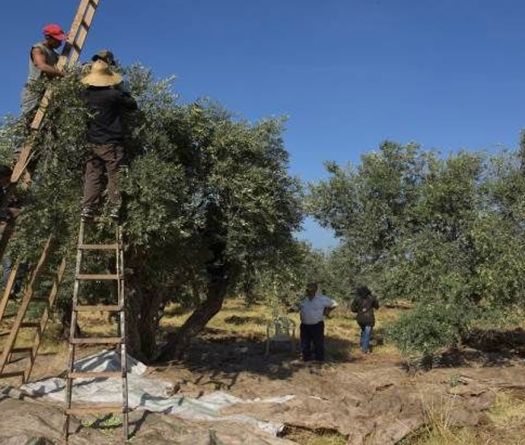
42	64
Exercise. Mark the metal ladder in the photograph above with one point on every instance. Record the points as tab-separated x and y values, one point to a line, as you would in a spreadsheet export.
119	341
10	348
70	54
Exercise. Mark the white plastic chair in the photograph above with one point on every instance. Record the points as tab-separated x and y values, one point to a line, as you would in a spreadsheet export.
280	330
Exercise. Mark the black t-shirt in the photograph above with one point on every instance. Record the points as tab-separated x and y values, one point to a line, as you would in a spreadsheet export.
107	105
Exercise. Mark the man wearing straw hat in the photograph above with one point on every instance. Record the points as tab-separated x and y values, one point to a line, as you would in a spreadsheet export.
107	104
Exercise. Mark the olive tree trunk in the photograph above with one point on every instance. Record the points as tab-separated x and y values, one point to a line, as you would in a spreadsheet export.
205	311
143	309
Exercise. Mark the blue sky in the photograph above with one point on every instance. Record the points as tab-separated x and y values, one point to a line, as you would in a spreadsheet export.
349	73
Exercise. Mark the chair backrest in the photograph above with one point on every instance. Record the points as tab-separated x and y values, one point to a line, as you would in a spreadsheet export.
281	328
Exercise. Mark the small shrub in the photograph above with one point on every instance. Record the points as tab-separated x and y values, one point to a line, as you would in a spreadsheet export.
428	328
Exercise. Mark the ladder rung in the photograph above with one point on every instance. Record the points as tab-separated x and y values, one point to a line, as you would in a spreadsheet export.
93	374
39	300
47	275
98	246
100	307
28	324
98	277
96	341
4	333
93	409
6	375
21	350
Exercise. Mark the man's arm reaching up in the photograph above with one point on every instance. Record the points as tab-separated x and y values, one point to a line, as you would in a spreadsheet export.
39	59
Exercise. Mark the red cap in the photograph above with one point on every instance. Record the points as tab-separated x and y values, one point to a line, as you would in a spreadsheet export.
54	31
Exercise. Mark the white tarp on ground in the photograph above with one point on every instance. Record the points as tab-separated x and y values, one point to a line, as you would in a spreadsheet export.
146	393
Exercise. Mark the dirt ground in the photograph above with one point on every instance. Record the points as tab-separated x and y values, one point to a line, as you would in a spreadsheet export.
472	396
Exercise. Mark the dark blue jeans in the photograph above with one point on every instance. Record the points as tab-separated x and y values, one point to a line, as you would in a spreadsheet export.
366	335
312	333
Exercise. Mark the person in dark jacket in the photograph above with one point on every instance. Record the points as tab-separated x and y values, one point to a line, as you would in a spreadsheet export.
363	305
107	103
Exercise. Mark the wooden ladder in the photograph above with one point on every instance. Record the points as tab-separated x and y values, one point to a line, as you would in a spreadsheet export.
119	341
70	54
10	348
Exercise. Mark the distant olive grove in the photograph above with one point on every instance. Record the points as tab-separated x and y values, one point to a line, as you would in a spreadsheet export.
446	233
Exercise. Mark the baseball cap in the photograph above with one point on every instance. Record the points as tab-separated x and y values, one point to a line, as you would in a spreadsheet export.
55	31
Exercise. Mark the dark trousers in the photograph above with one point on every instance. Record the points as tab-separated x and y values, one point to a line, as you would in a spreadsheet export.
104	159
312	333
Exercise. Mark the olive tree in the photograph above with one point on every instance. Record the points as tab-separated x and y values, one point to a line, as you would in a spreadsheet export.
206	196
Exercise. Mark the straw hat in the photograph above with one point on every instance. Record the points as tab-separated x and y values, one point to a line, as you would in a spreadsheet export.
101	75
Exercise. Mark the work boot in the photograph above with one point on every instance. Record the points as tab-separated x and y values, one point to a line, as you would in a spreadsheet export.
114	213
87	214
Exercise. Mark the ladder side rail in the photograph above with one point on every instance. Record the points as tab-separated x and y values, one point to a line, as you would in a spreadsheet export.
72	34
28	294
122	329
83	31
72	328
44	319
70	55
8	289
119	340
71	52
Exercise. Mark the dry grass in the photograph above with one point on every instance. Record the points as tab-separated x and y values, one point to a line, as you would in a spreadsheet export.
234	317
238	319
507	409
306	436
439	428
504	425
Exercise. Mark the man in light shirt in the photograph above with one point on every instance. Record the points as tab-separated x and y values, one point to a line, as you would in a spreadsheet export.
313	309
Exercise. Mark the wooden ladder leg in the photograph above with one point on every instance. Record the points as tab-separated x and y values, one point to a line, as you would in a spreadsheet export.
71	357
45	317
118	277
8	289
122	333
28	294
69	388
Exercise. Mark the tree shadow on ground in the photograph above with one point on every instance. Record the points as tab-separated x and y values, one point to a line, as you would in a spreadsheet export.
488	348
242	320
175	310
218	353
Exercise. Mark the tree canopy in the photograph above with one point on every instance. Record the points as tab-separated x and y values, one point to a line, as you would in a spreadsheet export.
444	232
207	196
